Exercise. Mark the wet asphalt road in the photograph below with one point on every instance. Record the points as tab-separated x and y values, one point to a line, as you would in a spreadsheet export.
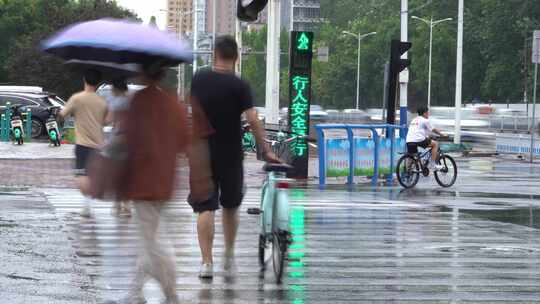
37	263
476	242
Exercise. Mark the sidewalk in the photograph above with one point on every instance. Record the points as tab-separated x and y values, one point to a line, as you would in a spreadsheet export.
38	263
35	151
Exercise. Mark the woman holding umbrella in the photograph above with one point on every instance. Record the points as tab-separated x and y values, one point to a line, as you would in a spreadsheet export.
150	175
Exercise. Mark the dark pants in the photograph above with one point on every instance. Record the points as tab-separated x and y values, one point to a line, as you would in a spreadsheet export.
82	155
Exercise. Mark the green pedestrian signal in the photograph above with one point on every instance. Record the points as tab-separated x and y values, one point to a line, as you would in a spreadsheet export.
303	42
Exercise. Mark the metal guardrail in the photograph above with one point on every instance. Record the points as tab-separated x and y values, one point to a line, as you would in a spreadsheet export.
508	123
350	128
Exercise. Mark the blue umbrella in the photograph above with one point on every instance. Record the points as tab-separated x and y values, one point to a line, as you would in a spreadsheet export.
117	41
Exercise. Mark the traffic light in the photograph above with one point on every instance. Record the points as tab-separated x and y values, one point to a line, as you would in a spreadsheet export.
398	49
248	10
397	65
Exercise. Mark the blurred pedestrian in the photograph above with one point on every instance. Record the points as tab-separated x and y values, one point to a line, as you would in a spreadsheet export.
119	101
156	131
90	112
223	98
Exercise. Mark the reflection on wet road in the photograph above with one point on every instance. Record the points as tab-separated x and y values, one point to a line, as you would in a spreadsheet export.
419	246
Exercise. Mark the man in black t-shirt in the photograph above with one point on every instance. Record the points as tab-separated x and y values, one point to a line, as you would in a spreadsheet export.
223	98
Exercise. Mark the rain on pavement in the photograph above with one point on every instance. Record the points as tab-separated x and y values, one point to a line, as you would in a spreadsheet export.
476	242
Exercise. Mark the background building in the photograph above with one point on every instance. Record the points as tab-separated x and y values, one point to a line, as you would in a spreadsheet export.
181	11
178	16
299	15
303	15
225	17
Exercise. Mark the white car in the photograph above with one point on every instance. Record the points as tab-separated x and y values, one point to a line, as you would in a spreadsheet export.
443	118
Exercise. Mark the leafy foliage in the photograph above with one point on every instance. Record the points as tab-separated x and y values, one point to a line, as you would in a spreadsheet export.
25	23
497	57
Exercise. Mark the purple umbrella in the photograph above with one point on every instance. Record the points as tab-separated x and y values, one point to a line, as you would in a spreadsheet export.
117	41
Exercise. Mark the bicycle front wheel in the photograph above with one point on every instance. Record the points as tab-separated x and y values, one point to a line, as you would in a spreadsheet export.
408	171
447	176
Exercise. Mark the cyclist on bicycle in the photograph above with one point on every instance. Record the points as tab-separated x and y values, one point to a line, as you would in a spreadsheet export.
419	136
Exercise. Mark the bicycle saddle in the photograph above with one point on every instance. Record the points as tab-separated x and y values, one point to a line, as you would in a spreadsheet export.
269	167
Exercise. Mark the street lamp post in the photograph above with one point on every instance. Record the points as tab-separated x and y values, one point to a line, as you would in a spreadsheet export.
359	37
431	25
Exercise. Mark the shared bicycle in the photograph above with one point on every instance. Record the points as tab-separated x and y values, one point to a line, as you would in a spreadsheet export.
274	209
410	166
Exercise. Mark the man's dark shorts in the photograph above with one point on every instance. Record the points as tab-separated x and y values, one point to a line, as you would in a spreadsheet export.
229	182
82	155
412	147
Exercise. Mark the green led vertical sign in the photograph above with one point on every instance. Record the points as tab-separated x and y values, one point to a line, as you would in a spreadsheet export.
300	56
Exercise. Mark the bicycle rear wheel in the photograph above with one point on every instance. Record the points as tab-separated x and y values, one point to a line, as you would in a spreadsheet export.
408	171
278	255
447	176
262	248
279	236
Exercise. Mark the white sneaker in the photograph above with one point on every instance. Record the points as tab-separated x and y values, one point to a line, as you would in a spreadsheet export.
435	167
229	266
130	299
207	271
173	300
87	212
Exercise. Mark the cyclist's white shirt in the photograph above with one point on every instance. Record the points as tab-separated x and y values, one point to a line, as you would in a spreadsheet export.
419	130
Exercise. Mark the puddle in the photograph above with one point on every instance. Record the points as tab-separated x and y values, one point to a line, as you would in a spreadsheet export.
7	223
493	250
18	277
499	195
529	217
7	190
497	204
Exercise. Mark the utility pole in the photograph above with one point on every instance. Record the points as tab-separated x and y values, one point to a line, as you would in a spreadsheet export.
526	78
272	63
239	41
195	33
536	60
214	25
459	71
404	76
180	75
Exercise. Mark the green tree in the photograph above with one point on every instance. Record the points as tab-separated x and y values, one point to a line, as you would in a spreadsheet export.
254	65
496	50
22	62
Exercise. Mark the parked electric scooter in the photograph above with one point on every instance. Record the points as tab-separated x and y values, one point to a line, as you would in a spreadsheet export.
53	130
17	126
248	139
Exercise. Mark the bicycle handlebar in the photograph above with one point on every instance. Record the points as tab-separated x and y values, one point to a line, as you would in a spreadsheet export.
290	139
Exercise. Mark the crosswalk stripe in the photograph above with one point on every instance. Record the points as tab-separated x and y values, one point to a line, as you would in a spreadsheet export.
353	250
